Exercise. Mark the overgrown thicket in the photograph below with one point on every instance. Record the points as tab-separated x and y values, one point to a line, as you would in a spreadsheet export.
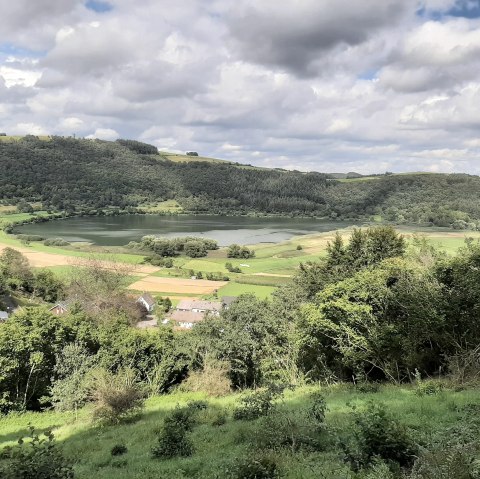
372	310
126	174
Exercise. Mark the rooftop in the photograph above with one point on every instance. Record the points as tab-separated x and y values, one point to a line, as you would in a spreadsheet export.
189	305
186	316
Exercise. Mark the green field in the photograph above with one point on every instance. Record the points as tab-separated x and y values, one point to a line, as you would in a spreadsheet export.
216	448
10	138
272	266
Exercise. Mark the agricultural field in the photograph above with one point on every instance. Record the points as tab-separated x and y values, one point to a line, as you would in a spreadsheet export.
272	266
11	138
425	417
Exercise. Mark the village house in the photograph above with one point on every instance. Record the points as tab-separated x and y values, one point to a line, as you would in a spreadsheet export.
227	301
200	306
147	301
190	312
60	308
185	319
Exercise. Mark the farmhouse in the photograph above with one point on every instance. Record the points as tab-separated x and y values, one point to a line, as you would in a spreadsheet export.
185	319
60	308
227	301
199	306
190	312
147	301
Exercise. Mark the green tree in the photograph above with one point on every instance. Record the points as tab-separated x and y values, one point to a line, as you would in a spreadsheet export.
70	389
195	249
29	343
380	323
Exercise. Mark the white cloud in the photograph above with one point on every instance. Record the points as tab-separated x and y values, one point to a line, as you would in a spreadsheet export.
312	85
104	134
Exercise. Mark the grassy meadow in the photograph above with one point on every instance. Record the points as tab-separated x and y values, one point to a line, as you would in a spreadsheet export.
219	440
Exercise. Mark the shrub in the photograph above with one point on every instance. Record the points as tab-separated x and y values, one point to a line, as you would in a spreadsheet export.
428	388
39	458
116	396
254	467
453	462
213	379
173	439
368	387
299	247
296	429
29	238
237	251
379	435
258	403
119	450
197	405
56	242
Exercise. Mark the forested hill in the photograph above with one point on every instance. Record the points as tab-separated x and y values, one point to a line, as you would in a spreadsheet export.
77	174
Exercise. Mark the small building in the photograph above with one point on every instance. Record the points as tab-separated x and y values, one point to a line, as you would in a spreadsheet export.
227	301
3	315
147	301
200	306
185	319
60	308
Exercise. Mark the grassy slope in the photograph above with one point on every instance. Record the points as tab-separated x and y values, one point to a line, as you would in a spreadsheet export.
218	446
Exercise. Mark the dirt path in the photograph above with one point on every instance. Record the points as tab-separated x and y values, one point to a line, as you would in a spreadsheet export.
39	259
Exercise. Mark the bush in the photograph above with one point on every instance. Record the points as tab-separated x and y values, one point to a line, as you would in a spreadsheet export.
368	387
232	269
379	435
116	396
296	429
119	450
453	462
56	242
428	388
242	252
29	238
173	439
255	467
213	379
39	458
258	403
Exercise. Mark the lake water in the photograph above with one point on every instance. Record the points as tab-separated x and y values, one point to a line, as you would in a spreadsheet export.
120	230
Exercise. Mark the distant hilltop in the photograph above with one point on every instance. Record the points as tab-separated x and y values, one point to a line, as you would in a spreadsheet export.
80	176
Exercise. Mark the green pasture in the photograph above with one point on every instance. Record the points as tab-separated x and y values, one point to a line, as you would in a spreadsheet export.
89	446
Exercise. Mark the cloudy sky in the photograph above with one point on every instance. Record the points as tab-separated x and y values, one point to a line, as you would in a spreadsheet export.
325	85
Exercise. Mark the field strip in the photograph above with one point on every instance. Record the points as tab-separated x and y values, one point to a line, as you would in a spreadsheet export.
38	259
156	284
273	275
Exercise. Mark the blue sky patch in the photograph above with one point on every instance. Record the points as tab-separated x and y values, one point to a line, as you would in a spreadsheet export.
9	49
98	6
462	8
466	9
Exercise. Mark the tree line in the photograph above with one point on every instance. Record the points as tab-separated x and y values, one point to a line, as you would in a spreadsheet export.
82	176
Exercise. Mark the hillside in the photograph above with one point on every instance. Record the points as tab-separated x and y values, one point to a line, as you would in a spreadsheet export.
78	175
90	448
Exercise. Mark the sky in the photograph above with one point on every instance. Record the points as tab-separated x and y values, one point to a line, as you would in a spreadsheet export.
313	85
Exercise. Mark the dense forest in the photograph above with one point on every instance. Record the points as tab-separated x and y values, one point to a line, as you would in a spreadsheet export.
85	175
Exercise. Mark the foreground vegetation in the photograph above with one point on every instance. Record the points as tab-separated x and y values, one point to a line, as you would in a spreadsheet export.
378	316
442	425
